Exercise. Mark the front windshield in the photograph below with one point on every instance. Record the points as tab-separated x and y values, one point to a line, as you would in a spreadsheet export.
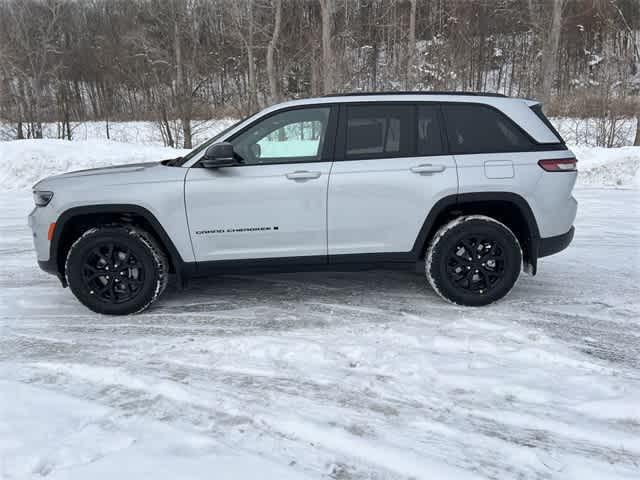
205	144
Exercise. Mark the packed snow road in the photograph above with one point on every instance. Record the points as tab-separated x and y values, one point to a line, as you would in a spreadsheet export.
345	376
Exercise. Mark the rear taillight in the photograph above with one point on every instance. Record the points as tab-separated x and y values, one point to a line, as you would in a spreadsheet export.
559	165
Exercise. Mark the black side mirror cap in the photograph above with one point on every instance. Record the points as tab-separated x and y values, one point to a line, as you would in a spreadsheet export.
219	155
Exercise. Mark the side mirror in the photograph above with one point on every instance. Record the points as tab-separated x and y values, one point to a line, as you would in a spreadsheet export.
219	155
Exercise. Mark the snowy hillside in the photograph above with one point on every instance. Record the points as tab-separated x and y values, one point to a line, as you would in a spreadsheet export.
24	162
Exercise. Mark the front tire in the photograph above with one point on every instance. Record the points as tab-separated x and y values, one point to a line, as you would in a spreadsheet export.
116	270
473	260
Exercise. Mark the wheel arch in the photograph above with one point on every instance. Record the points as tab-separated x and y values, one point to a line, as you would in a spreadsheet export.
507	207
74	221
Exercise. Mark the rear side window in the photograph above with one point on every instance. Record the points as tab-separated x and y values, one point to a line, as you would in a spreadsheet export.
480	129
429	131
378	131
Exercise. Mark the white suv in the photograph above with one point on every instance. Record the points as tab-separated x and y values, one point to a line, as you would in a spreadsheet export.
474	185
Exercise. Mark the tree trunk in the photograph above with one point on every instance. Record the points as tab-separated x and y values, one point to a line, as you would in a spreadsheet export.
253	93
411	47
328	60
186	131
67	125
550	53
636	142
271	73
183	97
20	133
375	51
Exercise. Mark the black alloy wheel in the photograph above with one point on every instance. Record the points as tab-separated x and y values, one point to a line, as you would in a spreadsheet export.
473	260
116	270
112	273
476	264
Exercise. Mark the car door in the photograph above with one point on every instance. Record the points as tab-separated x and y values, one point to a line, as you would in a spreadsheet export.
390	169
272	205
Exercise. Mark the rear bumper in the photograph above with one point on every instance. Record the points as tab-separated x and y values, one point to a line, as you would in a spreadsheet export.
52	269
550	245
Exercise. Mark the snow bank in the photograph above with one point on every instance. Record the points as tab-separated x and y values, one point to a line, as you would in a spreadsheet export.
24	162
142	132
590	132
598	166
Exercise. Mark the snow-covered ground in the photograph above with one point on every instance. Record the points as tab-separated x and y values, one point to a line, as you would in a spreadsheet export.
345	376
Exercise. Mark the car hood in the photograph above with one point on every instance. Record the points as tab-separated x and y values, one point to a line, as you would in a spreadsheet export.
130	167
118	174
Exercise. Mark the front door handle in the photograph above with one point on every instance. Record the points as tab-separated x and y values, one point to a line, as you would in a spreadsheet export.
303	175
427	169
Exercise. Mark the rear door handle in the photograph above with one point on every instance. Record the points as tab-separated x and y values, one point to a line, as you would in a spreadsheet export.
303	175
427	169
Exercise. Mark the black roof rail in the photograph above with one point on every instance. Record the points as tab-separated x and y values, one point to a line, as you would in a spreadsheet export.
429	92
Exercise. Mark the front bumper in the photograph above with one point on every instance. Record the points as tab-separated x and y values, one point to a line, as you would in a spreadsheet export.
550	245
39	220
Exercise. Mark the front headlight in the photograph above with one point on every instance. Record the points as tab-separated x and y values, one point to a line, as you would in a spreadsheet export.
42	198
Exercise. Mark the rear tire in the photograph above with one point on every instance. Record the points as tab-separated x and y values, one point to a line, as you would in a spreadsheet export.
473	260
116	270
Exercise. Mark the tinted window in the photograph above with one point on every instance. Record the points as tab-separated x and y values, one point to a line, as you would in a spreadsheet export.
429	135
480	129
290	136
378	131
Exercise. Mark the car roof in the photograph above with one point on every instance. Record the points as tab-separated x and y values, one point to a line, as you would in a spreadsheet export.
418	92
496	100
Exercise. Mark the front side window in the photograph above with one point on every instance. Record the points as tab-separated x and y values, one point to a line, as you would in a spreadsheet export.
378	131
287	137
480	129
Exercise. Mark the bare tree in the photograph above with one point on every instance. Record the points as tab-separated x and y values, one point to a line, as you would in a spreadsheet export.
274	89
411	39
327	8
550	52
34	61
243	16
178	62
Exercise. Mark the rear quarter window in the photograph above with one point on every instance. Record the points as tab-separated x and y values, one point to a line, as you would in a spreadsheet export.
481	129
537	109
